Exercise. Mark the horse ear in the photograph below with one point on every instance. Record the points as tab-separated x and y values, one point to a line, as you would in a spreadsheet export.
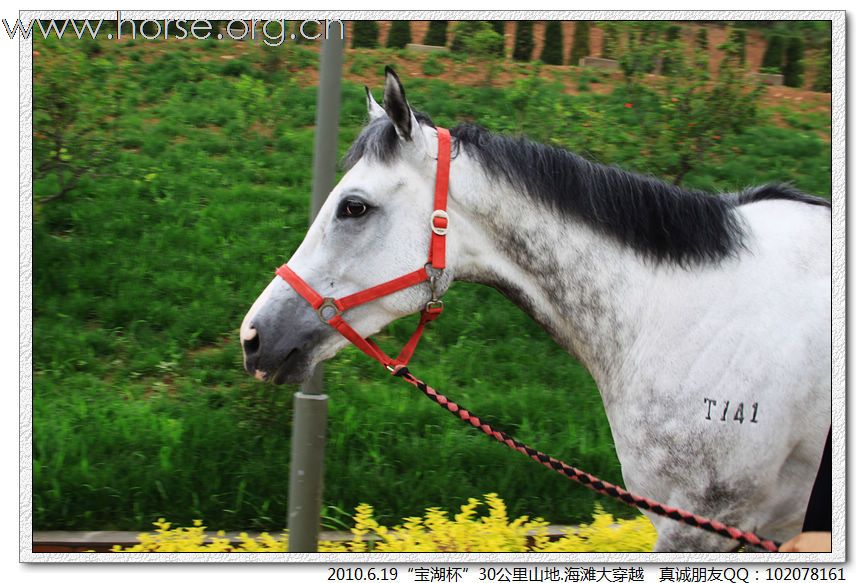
397	108
373	108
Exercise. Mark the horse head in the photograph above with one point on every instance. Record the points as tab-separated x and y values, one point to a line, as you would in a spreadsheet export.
373	227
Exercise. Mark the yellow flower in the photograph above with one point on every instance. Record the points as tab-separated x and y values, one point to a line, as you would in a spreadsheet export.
434	532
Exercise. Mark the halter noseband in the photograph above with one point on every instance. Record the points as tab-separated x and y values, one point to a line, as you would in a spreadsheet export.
330	310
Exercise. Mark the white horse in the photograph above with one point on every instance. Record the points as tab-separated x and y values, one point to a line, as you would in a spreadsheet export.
704	319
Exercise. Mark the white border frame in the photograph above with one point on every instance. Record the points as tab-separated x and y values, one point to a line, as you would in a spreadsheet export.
839	309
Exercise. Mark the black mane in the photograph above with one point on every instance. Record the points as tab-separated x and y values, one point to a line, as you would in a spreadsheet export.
662	221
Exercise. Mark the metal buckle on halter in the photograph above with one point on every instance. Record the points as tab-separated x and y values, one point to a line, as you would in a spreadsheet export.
439	214
434	302
328	303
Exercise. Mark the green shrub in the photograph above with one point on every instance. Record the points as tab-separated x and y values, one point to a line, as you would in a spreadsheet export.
583	81
300	38
672	34
498	26
580	47
437	33
477	37
485	44
217	26
645	49
272	60
69	99
823	77
773	58
689	113
702	39
311	30
432	66
236	68
399	34
552	53
364	34
793	66
147	27
92	47
610	42
362	63
524	42
463	30
739	44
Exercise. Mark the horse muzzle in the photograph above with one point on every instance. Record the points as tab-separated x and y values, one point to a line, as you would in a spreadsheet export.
279	344
284	362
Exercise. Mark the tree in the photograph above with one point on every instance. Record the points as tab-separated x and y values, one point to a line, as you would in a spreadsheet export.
483	43
437	33
823	78
685	118
645	51
524	43
773	58
310	29
739	44
702	39
74	112
580	47
499	28
399	34
672	33
364	34
793	66
490	42
633	60
552	53
462	31
610	42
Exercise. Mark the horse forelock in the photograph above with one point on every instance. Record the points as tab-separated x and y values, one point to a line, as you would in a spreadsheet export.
379	141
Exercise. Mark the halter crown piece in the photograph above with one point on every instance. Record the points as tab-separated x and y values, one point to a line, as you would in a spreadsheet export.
330	310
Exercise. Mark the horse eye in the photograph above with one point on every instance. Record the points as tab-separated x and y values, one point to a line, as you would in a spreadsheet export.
352	208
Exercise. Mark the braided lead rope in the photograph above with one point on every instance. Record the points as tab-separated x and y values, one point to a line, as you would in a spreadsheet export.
584	478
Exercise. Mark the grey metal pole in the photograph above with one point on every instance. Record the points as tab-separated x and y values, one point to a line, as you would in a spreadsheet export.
326	121
310	403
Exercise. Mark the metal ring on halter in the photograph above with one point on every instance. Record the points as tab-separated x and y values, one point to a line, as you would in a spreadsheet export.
439	214
434	302
328	303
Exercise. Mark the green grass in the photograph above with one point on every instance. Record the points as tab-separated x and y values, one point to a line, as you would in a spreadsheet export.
143	273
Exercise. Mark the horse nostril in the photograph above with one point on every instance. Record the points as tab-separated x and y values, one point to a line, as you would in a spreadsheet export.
251	343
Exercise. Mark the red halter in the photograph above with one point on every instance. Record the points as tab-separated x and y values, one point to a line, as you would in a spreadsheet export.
330	310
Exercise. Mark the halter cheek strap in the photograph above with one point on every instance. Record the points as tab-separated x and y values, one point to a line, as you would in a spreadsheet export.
330	310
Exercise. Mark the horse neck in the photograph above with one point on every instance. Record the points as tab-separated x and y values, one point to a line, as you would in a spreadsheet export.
578	284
